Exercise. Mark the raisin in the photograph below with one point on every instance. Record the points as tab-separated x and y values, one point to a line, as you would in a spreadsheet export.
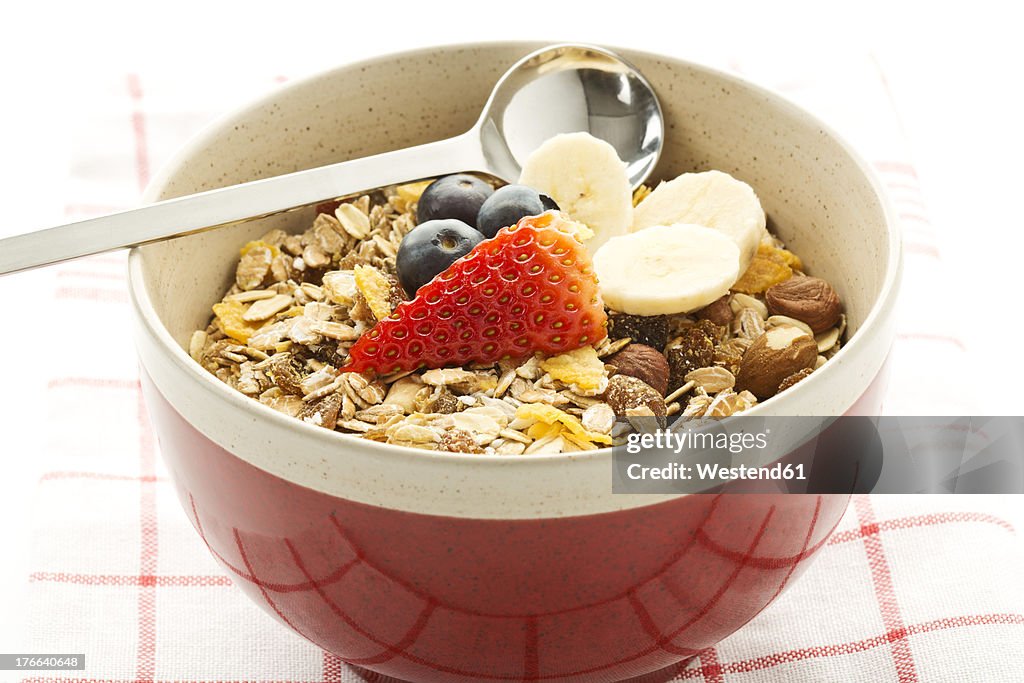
650	330
695	350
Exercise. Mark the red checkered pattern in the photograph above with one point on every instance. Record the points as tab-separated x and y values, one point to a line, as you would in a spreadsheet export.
906	589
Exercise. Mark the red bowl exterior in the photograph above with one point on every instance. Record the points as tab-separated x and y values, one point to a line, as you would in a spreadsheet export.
419	597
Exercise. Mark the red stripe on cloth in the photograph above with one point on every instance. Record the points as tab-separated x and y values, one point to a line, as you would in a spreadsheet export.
332	668
116	296
168	581
148	551
710	668
139	128
892	184
922	249
942	338
915	521
885	593
897	168
93	383
914	201
791	656
916	217
91	275
100	476
91	208
741	666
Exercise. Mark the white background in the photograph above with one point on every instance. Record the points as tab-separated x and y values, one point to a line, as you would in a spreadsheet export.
954	74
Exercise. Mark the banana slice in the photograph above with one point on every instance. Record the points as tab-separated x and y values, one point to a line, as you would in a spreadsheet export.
714	199
585	176
666	269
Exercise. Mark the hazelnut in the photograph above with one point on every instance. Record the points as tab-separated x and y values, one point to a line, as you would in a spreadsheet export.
643	362
718	311
625	393
773	357
808	299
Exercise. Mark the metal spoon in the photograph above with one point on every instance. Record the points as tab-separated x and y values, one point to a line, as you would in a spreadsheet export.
558	89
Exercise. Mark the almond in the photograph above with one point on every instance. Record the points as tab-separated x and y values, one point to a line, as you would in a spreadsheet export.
774	356
808	299
643	362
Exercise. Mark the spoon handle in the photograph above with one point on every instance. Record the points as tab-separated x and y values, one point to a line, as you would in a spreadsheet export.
238	203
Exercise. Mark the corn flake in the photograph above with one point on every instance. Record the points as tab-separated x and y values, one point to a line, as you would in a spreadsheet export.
376	289
580	367
229	318
550	415
769	267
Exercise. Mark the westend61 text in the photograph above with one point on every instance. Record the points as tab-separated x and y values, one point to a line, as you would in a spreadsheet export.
715	472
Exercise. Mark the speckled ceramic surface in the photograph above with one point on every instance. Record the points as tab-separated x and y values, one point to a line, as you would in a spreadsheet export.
520	568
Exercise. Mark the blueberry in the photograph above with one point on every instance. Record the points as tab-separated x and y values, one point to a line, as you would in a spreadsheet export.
430	248
508	204
453	196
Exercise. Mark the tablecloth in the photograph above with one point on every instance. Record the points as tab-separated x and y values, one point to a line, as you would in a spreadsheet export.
909	588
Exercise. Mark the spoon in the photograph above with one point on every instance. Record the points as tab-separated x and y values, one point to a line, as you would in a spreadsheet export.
558	89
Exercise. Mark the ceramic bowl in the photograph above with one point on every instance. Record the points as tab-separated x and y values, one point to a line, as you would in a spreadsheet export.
428	567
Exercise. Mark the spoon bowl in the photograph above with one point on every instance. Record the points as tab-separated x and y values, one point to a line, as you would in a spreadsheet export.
559	89
567	89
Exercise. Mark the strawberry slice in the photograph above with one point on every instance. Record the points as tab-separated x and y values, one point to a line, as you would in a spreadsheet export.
530	288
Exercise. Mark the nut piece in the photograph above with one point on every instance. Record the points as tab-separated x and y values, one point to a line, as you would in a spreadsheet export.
718	311
643	362
794	378
696	349
626	393
808	299
774	356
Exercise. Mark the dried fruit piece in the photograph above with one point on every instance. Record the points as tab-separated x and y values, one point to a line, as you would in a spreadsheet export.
529	289
581	369
808	299
411	192
650	330
794	378
695	350
763	273
643	362
285	371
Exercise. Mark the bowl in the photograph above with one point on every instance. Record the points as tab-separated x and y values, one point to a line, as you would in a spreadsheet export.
428	567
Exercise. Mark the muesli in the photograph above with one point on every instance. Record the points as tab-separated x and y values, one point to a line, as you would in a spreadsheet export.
465	316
